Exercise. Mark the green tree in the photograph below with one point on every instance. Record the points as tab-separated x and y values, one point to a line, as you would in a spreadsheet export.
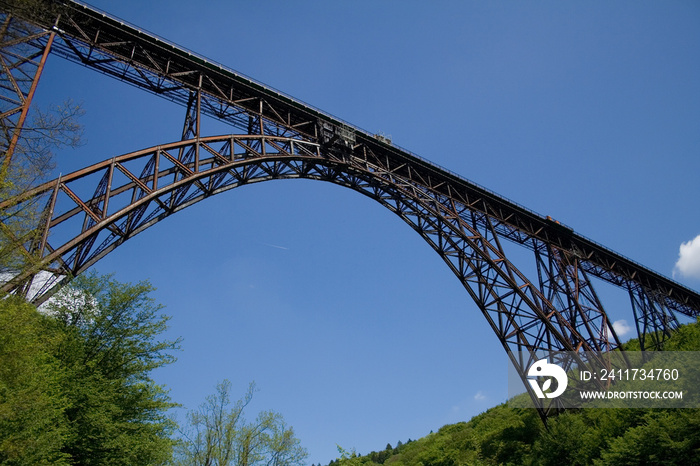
116	413
32	403
218	434
74	380
350	458
670	437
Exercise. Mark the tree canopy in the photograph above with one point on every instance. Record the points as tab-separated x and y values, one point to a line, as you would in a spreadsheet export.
75	384
218	434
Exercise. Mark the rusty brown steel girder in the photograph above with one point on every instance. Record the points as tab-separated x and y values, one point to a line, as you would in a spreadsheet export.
94	210
19	77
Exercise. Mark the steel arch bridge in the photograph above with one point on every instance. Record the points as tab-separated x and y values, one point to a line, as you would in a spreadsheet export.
89	213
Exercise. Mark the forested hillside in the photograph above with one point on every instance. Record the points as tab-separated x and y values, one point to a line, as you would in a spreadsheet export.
508	436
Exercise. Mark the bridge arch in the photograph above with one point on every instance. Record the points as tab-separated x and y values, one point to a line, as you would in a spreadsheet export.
91	212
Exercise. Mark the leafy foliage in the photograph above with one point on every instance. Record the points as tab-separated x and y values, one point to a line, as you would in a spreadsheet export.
32	403
117	412
217	434
75	385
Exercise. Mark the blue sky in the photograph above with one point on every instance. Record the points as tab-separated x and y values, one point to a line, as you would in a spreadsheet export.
351	326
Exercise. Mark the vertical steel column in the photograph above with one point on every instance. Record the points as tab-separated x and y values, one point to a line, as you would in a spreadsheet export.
191	127
652	317
191	130
12	58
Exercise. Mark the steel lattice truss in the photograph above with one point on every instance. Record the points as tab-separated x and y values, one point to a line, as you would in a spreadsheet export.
23	53
114	200
89	213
